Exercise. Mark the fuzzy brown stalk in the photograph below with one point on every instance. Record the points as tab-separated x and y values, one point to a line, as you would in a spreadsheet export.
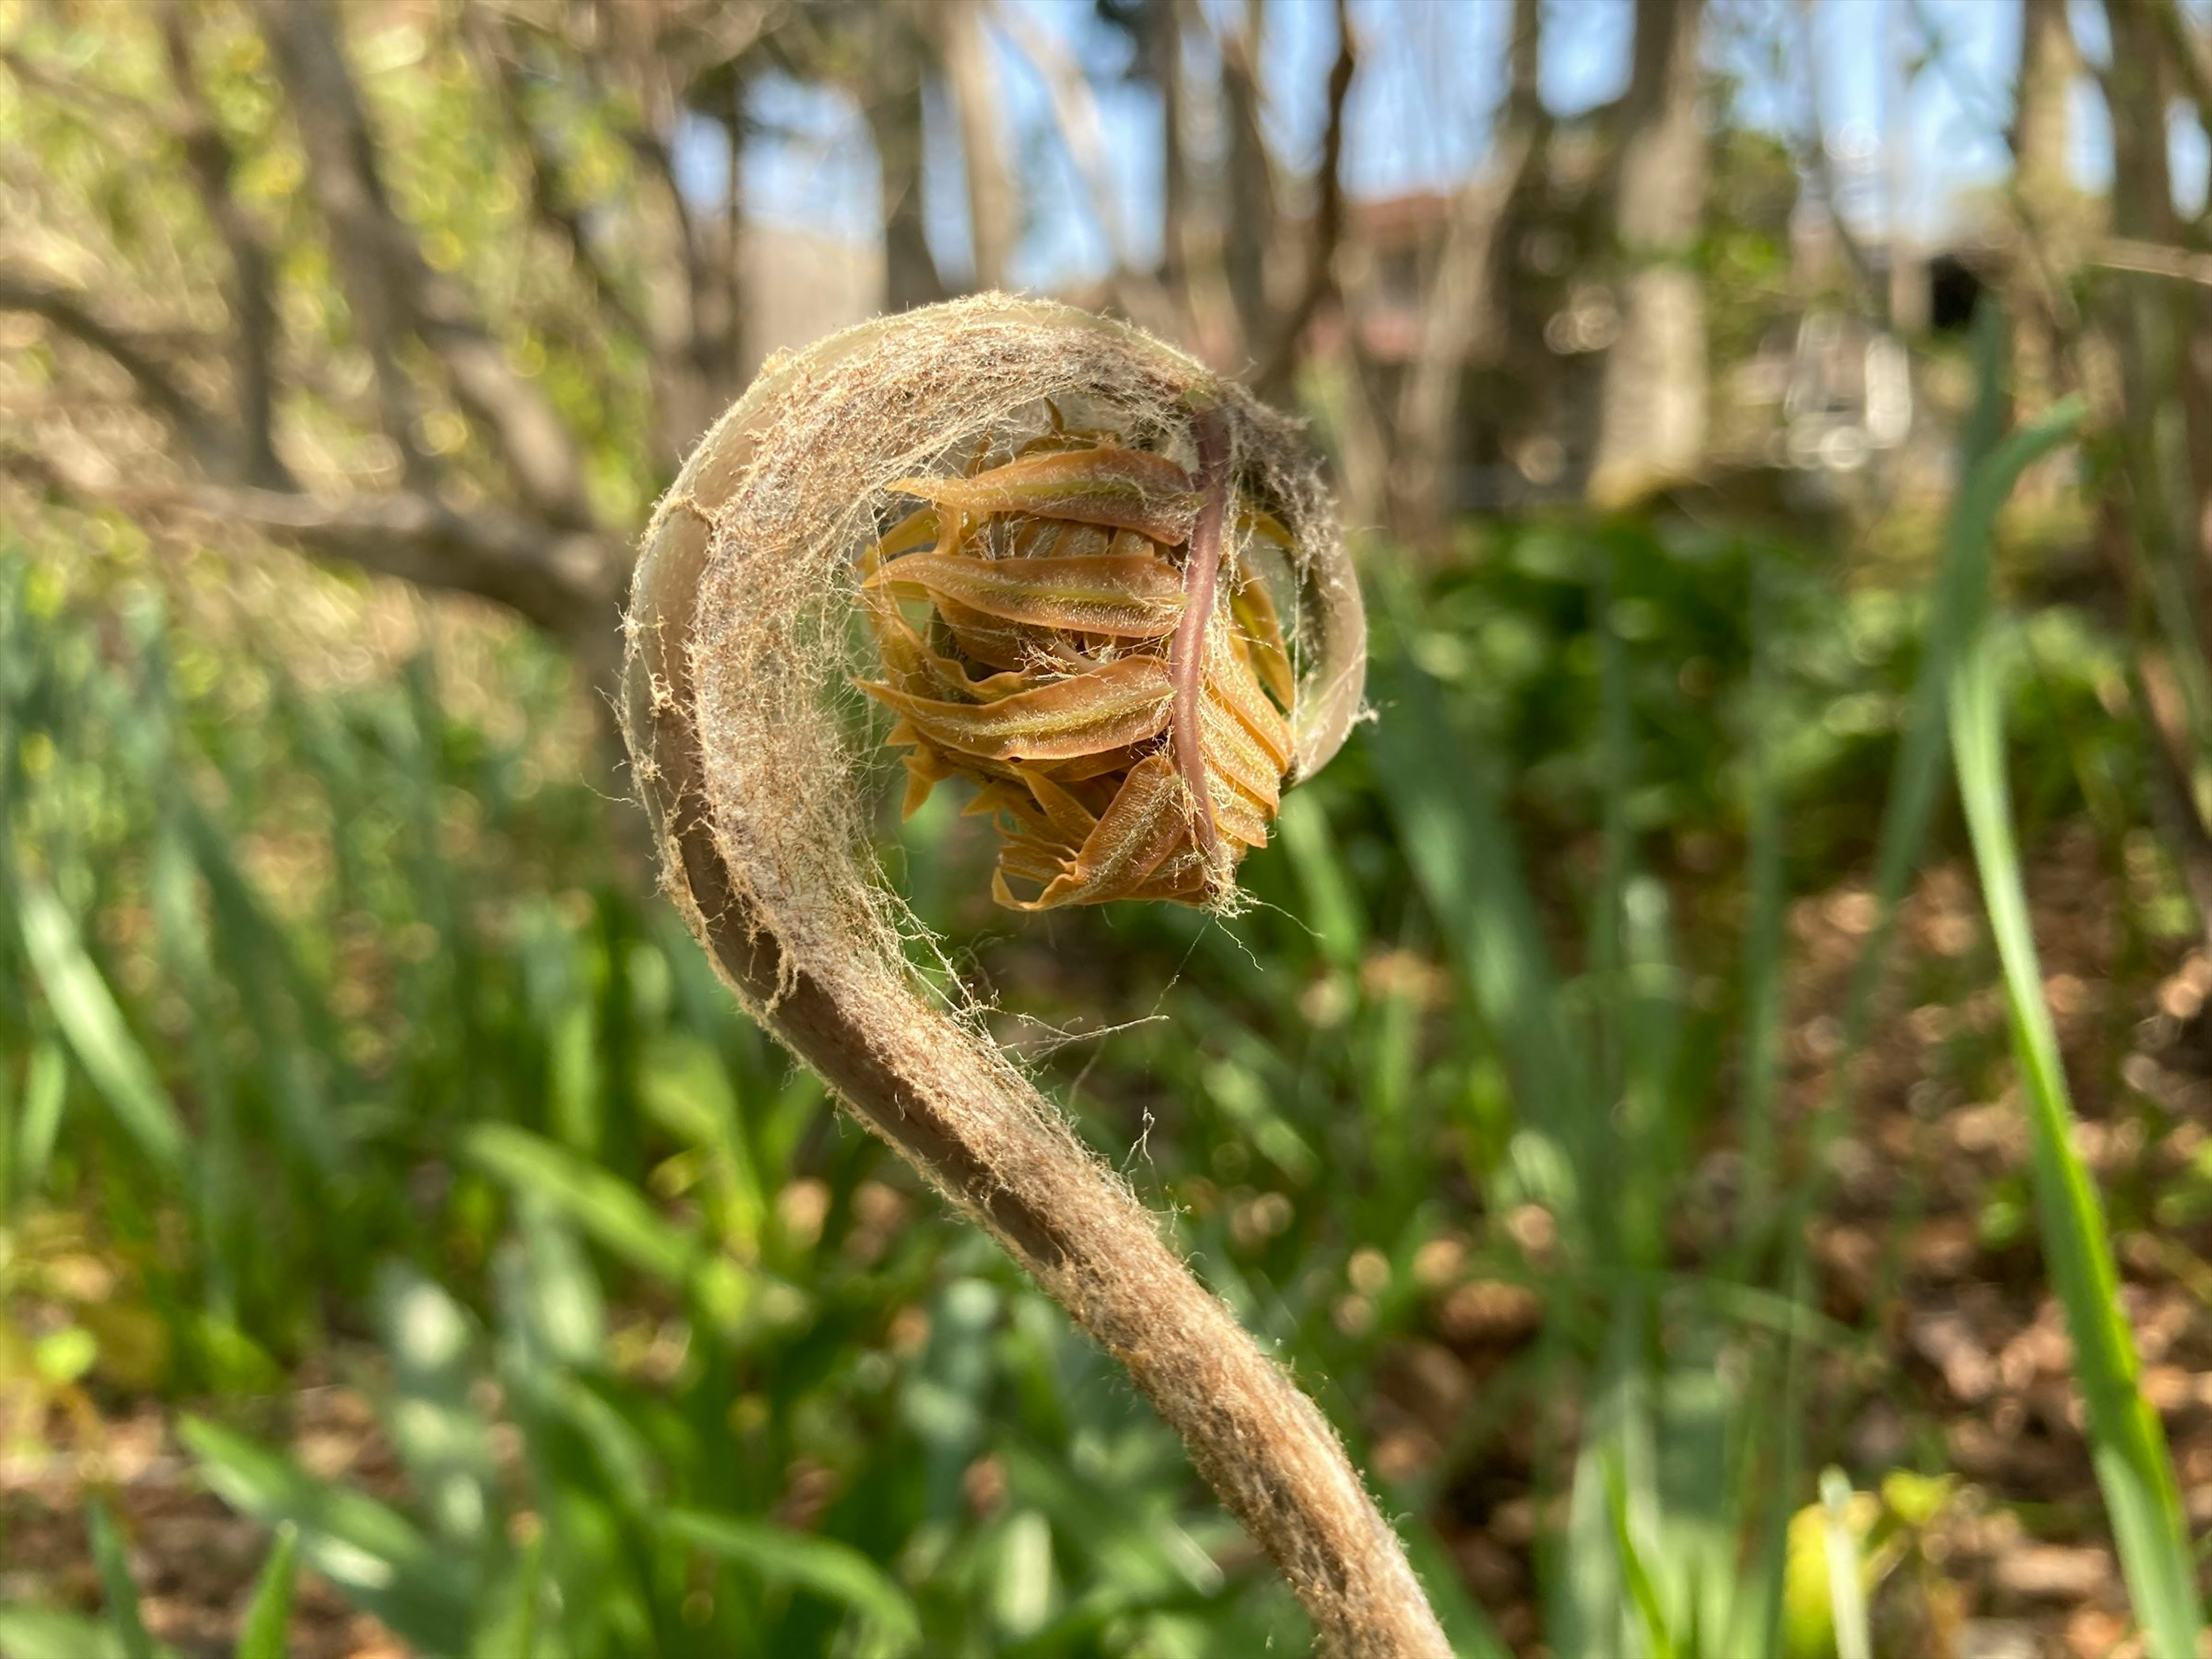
735	634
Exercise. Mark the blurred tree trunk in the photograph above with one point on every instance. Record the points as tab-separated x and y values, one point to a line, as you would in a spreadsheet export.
1652	404
2042	130
1461	318
1244	266
2042	125
964	54
2167	456
1248	207
1278	331
1159	27
893	109
2140	89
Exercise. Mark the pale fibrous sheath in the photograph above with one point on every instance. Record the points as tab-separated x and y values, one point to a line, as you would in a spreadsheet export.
1106	589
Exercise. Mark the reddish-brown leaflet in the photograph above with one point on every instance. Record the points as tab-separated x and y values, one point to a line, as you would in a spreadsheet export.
1071	631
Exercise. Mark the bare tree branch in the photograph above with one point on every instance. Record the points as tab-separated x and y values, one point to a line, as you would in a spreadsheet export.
1280	365
342	173
393	288
252	302
665	62
568	583
156	379
2154	259
1140	295
502	71
965	54
552	568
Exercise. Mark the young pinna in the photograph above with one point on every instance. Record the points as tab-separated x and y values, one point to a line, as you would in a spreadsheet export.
1091	649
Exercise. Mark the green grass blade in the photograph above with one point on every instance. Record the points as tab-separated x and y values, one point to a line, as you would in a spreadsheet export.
1847	1596
1916	776
610	1209
510	1631
1635	1571
438	1433
624	1223
29	1632
684	1085
821	1566
46	1092
262	1635
1764	937
1332	908
1463	856
1915	783
370	1552
2128	1444
117	1591
93	1023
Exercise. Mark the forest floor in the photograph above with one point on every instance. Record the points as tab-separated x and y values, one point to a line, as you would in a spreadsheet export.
1921	1246
1925	1247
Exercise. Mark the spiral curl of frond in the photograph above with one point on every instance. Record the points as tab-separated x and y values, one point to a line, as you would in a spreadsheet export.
788	517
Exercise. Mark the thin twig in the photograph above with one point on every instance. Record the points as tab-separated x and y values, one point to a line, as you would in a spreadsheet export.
2153	259
563	582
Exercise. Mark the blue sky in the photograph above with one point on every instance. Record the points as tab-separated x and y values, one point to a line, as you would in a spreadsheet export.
1421	108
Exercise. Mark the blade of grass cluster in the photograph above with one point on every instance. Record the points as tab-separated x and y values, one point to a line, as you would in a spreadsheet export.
373	1554
436	1429
2127	1442
1765	933
1789	1421
1643	1589
261	1636
824	1566
36	1632
1917	774
86	1010
117	1589
1462	853
510	1630
1915	780
1331	906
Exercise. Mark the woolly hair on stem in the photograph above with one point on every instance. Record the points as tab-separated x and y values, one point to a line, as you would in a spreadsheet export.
734	700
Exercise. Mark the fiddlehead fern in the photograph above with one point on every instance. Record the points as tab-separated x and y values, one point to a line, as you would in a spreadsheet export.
736	652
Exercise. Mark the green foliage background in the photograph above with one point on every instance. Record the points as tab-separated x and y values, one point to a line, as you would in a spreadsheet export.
336	1026
340	1038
